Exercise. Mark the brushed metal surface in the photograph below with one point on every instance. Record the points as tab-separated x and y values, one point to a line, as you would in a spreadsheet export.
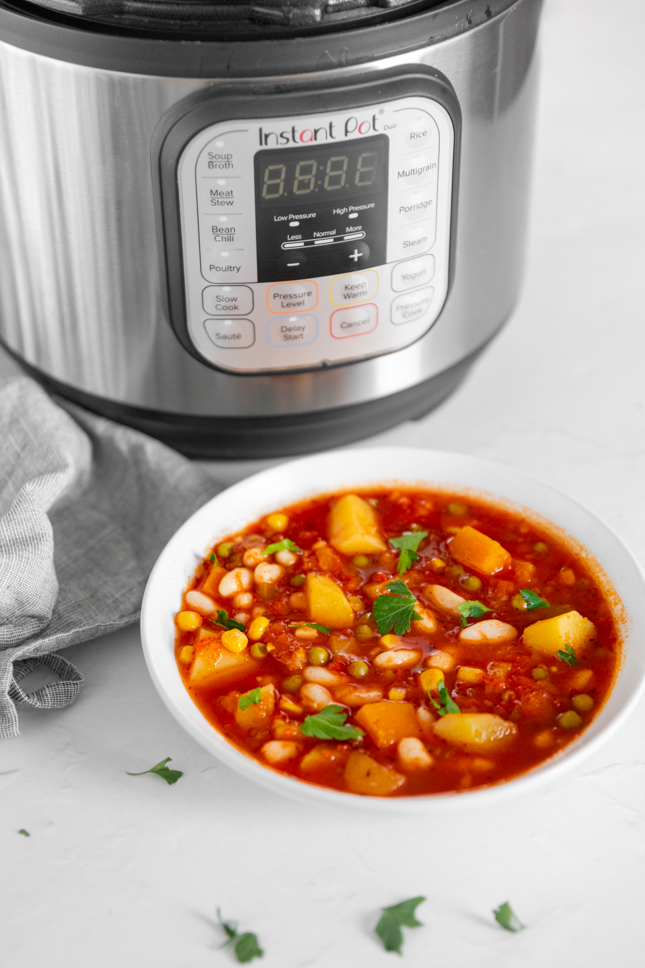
80	293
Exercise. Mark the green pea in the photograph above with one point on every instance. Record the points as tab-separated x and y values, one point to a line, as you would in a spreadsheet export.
298	581
540	548
539	673
364	632
472	583
318	656
583	703
258	650
361	561
457	509
416	527
455	571
358	669
518	602
292	684
225	549
570	720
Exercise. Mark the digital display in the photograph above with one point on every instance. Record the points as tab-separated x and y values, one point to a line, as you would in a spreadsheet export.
322	173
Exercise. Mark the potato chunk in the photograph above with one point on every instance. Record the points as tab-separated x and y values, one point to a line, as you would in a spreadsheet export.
388	722
354	528
326	602
552	634
476	731
214	665
259	714
364	775
478	551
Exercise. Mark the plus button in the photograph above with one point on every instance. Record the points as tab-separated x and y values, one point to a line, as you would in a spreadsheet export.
356	255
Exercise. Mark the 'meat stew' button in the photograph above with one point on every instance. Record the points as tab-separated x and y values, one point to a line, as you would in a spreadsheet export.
354	322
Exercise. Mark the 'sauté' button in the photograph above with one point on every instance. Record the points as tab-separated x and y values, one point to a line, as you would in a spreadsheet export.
227	300
354	322
412	273
230	334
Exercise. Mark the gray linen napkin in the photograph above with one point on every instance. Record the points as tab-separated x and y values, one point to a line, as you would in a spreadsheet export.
86	506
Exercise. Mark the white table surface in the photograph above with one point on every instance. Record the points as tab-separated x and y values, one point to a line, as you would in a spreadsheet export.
128	871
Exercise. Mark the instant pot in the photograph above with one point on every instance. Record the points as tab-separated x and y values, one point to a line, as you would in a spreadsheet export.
259	228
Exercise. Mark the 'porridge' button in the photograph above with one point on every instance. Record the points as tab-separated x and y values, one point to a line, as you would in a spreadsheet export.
230	334
354	322
412	273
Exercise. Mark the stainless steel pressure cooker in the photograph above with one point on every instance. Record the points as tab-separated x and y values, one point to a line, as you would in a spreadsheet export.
261	227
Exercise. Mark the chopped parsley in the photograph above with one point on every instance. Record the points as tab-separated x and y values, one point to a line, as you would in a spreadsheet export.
532	600
568	655
506	916
285	545
213	558
252	698
395	611
313	625
226	622
408	545
245	945
25	833
393	919
473	609
329	723
170	776
446	704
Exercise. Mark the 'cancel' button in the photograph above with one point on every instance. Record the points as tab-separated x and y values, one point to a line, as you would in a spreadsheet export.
354	321
230	334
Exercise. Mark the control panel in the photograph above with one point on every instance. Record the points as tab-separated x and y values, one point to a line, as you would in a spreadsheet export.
319	239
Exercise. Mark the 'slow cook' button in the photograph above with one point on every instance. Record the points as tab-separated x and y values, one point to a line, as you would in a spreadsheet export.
412	273
230	334
354	322
292	297
354	288
293	330
227	300
411	307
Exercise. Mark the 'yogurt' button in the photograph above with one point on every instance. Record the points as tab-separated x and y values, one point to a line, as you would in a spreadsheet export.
230	334
292	297
412	307
354	288
354	322
227	300
293	330
412	273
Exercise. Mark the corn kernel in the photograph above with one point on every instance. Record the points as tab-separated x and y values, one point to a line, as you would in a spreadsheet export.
277	522
186	654
258	627
189	621
396	694
356	603
389	641
469	674
234	640
364	632
437	564
430	679
287	705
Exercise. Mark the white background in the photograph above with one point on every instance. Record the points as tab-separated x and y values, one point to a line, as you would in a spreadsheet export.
128	871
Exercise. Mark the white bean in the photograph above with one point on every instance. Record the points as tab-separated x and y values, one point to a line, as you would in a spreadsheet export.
279	751
253	557
397	659
237	580
354	695
443	598
241	617
315	697
488	632
427	623
412	756
267	574
200	603
286	557
243	599
323	677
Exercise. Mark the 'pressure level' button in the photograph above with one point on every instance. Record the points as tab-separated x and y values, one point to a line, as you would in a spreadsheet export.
292	297
230	334
411	307
227	300
354	322
354	288
412	273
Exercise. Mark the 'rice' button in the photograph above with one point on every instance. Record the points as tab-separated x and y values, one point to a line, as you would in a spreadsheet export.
354	322
230	334
412	273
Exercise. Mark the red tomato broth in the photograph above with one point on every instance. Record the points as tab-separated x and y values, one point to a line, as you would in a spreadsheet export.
507	688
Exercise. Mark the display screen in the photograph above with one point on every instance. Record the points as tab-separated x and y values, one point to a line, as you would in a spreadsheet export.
322	173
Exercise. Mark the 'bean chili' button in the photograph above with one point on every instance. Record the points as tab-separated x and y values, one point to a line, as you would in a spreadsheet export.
412	306
292	297
354	322
230	334
354	288
412	273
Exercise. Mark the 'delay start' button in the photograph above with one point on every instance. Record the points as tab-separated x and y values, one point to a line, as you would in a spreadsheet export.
293	330
354	288
228	300
412	273
354	322
230	334
292	297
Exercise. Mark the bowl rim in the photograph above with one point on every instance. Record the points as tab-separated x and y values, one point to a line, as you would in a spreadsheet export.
175	555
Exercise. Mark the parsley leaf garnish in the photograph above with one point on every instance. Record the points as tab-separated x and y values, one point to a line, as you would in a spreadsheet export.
532	600
408	545
506	916
245	945
314	625
445	704
170	776
329	723
285	545
393	918
25	833
568	655
213	557
395	611
472	609
252	698
226	622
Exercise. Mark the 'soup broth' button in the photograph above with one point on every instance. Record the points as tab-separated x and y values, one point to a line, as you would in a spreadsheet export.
292	297
293	330
354	322
353	288
412	273
411	307
230	334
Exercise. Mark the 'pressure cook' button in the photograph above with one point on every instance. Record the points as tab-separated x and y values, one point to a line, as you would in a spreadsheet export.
227	300
413	273
293	330
354	288
292	297
354	322
411	307
230	334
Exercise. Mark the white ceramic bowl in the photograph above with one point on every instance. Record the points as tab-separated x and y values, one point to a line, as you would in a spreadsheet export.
610	561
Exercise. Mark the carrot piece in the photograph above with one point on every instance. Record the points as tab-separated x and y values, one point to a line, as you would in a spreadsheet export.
388	722
478	551
214	577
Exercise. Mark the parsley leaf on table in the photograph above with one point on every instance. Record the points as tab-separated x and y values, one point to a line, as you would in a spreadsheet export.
285	545
226	622
568	655
313	625
251	698
245	945
25	833
395	611
446	704
506	916
473	609
329	723
408	545
393	918
170	776
532	600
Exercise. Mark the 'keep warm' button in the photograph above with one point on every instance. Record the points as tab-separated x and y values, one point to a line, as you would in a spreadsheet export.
413	273
230	334
354	288
292	297
354	322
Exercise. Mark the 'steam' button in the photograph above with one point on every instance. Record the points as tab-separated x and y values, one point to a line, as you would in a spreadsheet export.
354	322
